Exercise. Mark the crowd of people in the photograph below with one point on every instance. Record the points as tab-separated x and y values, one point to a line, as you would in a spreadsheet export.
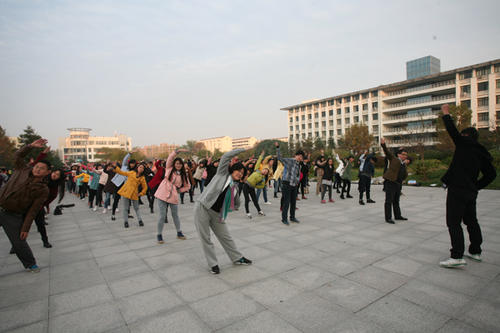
26	195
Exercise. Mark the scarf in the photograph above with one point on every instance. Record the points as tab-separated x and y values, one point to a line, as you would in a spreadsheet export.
228	204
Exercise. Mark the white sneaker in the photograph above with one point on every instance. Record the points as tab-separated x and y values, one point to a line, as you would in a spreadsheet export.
249	215
117	210
104	211
261	213
94	209
267	203
475	257
451	263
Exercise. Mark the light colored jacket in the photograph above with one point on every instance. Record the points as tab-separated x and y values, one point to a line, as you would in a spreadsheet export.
118	179
168	190
131	187
216	186
104	177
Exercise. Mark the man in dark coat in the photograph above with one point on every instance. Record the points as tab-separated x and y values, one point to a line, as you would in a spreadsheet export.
463	183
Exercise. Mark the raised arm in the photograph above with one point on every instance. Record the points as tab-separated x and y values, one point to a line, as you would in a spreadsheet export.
226	159
121	172
21	153
387	152
259	161
450	125
170	160
125	162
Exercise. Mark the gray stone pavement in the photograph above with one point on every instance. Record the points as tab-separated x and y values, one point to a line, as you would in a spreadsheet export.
342	269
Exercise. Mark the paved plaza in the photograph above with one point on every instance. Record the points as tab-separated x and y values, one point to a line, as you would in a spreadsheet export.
342	269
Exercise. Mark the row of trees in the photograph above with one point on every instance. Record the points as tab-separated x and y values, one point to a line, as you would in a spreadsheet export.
8	148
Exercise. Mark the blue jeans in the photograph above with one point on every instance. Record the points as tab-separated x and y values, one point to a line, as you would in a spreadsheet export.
264	190
163	209
277	185
107	199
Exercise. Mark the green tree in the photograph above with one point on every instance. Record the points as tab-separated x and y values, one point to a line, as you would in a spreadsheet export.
319	144
462	116
331	144
7	150
28	136
357	139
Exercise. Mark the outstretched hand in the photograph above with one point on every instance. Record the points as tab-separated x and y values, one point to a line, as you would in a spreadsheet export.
39	143
446	109
277	144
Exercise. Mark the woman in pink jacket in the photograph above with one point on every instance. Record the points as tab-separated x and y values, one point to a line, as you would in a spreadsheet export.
176	181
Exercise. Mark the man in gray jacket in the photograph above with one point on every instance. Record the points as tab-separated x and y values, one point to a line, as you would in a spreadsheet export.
211	209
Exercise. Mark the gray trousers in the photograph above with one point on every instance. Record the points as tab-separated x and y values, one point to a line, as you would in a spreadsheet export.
163	209
126	206
206	219
12	224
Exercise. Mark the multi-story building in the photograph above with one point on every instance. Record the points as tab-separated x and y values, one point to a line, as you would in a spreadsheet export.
81	146
245	143
156	151
403	112
222	143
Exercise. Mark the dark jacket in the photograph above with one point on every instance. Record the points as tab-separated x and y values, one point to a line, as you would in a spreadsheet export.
469	159
392	171
329	172
23	194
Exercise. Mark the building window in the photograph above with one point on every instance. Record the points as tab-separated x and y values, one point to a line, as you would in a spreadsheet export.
498	99
339	111
323	134
331	133
498	84
364	95
323	114
356	119
483	116
323	123
339	101
296	118
309	107
375	128
303	117
339	132
375	106
297	136
497	68
466	103
347	121
483	71
355	98
291	119
339	122
347	99
356	108
316	125
297	127
330	112
365	118
482	86
347	110
482	101
303	135
331	123
309	125
374	93
316	115
465	75
309	116
365	107
316	134
303	126
291	128
323	104
375	116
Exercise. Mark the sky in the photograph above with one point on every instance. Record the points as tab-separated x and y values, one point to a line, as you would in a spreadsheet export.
170	71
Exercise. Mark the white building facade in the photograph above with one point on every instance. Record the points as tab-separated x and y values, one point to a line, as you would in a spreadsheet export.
404	113
80	146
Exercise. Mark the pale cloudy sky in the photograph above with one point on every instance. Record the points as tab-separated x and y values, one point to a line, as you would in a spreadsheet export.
169	71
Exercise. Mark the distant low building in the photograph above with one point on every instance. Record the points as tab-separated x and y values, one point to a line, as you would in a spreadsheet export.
81	146
245	143
222	143
156	151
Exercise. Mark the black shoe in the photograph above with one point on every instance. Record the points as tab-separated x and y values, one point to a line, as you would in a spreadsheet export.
113	218
361	202
141	224
285	222
275	195
215	270
47	245
126	224
243	261
130	216
370	201
12	251
349	196
401	218
191	200
166	220
390	221
45	223
152	211
294	220
342	197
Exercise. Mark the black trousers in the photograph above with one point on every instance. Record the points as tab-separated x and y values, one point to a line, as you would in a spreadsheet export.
92	195
364	186
249	192
151	196
461	206
40	225
100	188
392	195
12	224
303	185
83	190
288	200
346	186
338	181
326	188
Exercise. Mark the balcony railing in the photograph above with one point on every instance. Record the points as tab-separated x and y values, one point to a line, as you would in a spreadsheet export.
465	95
427	86
411	116
410	130
433	99
410	141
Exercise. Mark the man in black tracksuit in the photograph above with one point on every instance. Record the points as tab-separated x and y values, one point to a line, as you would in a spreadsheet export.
470	158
